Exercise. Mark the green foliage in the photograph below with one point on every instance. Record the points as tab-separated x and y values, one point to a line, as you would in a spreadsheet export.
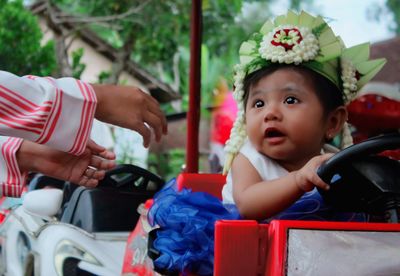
20	37
103	76
127	156
162	28
165	27
390	8
95	7
394	7
167	165
77	66
110	36
213	68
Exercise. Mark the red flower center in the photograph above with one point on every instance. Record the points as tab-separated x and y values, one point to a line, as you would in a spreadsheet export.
283	40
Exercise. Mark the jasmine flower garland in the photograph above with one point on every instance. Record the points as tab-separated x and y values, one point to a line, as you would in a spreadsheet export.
349	78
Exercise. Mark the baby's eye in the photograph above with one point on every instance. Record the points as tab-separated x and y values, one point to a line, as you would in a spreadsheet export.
258	103
291	100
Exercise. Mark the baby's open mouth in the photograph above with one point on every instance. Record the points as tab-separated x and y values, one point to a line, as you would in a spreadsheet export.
272	133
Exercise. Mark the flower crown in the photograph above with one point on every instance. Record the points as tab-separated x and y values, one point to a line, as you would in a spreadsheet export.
299	39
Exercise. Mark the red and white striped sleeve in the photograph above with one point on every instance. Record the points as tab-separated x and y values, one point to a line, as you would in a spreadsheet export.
12	181
55	112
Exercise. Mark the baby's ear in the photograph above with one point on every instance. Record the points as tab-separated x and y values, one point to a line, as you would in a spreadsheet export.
335	122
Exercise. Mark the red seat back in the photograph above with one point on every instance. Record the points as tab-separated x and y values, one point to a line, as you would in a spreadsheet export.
210	183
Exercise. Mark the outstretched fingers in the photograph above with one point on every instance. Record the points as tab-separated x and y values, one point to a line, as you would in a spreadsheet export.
88	182
158	118
92	172
145	132
100	163
129	107
91	176
155	122
100	150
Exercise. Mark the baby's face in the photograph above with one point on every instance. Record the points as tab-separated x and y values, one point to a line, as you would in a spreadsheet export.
284	118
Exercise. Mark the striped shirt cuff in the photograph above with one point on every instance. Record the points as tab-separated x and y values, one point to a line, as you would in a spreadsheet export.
12	181
87	116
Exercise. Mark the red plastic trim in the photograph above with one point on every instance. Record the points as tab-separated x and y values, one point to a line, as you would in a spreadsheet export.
277	237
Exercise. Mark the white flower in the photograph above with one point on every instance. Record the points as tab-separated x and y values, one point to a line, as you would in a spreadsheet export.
238	132
238	82
289	44
349	78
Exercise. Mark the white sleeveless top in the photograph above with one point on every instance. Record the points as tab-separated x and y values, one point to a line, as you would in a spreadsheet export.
266	168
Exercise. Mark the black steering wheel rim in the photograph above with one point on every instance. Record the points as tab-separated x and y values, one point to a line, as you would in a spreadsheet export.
135	173
370	146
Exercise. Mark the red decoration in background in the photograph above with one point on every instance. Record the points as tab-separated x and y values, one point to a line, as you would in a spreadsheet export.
374	114
223	118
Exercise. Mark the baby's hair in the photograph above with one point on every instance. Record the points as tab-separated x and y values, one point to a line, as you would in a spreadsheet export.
327	92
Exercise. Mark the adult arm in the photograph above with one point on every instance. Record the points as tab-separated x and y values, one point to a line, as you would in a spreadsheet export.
59	113
53	112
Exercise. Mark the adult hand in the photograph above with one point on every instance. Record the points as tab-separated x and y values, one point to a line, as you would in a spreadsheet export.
86	169
130	107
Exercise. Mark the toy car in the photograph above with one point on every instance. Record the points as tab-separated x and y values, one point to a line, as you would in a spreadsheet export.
60	228
360	181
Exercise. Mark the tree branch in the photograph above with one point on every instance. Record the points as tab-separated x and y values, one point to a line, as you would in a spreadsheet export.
61	17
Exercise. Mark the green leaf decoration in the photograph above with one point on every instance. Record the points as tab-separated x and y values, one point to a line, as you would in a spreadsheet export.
256	64
317	31
246	59
369	65
292	18
370	69
267	27
328	69
305	19
329	52
327	37
257	37
247	47
318	22
280	20
357	53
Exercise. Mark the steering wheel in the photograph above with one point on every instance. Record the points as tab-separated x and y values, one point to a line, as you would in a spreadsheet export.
131	176
362	181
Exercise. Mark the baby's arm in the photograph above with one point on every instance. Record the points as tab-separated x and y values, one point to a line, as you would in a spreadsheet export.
258	199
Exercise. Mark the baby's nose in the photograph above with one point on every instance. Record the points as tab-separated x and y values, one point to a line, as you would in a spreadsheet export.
272	113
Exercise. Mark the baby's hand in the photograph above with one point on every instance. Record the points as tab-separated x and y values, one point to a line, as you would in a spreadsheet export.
306	178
